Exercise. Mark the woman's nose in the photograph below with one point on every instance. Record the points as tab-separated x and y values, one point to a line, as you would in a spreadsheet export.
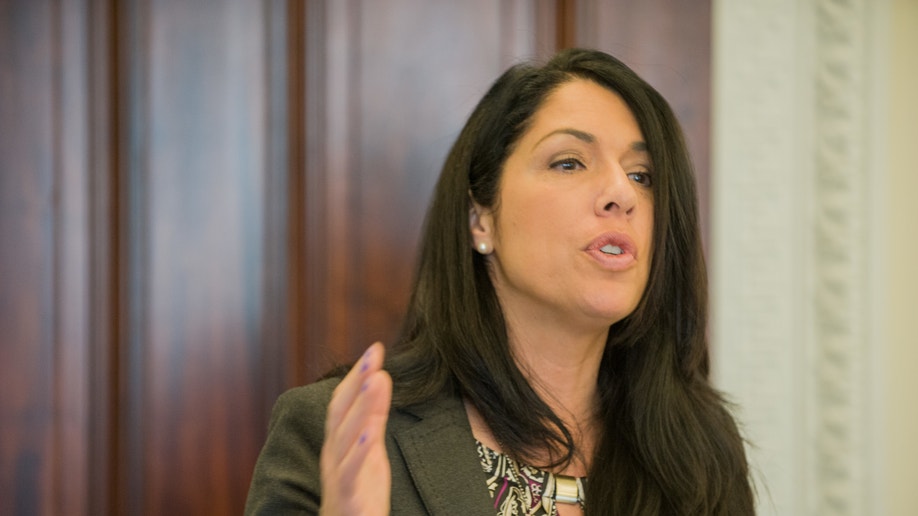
617	194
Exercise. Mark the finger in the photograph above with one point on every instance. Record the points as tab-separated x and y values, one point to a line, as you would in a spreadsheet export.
368	451
342	403
366	415
345	393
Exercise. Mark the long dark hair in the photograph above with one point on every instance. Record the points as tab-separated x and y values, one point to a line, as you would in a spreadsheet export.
667	445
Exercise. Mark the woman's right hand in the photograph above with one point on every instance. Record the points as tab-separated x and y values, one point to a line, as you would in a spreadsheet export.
356	479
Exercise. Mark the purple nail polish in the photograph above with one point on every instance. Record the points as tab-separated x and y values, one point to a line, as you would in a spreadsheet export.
362	439
364	386
365	361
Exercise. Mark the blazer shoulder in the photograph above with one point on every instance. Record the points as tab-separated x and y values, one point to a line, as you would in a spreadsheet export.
304	407
286	475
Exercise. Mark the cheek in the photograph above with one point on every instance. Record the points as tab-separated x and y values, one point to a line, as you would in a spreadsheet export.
547	233
645	231
645	225
536	214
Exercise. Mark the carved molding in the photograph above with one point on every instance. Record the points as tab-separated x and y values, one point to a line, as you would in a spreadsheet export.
791	187
839	281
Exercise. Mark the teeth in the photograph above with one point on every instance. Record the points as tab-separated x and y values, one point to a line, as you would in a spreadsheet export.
611	249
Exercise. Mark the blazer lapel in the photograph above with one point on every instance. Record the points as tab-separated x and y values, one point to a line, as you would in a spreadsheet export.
437	444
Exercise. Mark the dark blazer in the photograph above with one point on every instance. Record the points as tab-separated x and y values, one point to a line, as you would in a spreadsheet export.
432	453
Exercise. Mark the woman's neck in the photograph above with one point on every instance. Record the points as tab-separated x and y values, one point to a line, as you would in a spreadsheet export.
562	369
561	364
563	374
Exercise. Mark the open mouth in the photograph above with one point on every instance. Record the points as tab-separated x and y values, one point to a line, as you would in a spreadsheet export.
611	249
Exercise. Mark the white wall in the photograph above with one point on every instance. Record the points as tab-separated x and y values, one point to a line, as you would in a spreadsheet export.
814	255
900	361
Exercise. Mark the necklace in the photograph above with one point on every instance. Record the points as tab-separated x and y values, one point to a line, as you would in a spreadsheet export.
565	489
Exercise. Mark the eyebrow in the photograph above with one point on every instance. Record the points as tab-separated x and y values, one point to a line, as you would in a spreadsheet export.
639	146
586	137
576	133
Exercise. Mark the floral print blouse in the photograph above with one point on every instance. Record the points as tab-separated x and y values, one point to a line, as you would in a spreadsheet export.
518	490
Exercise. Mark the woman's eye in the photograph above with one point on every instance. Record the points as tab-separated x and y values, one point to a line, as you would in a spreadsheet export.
642	178
568	165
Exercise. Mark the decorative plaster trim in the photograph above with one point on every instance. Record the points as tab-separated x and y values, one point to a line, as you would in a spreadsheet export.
792	197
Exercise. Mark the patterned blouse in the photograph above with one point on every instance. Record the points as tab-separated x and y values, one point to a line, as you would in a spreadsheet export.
518	490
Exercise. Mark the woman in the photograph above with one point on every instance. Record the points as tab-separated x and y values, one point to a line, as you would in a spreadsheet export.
553	359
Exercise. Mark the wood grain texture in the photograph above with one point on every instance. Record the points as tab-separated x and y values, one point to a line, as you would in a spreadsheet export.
194	153
26	258
203	204
387	91
102	277
668	43
44	257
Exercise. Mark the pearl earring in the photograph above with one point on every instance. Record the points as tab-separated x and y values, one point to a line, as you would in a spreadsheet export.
483	248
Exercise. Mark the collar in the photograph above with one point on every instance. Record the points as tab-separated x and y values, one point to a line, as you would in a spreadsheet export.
436	442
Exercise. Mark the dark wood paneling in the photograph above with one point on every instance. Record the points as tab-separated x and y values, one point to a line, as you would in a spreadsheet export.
44	259
192	161
204	203
103	323
72	255
389	85
129	60
669	44
27	135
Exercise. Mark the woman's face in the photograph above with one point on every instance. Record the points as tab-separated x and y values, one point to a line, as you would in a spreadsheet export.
571	233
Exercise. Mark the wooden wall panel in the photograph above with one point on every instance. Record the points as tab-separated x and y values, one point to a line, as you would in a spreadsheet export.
72	255
202	204
26	258
97	34
389	85
44	259
669	44
193	150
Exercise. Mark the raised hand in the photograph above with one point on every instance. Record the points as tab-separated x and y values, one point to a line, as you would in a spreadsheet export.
356	479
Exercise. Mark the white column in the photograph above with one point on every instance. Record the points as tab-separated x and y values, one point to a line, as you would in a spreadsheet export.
795	175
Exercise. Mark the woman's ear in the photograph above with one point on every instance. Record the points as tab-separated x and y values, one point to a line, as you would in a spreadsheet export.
481	226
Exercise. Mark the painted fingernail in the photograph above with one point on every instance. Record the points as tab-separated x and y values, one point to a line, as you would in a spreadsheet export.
364	386
362	439
365	361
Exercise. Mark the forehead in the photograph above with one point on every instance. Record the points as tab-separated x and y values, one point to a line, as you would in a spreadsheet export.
584	105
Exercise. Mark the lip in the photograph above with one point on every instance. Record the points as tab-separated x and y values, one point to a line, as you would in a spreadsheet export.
613	262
